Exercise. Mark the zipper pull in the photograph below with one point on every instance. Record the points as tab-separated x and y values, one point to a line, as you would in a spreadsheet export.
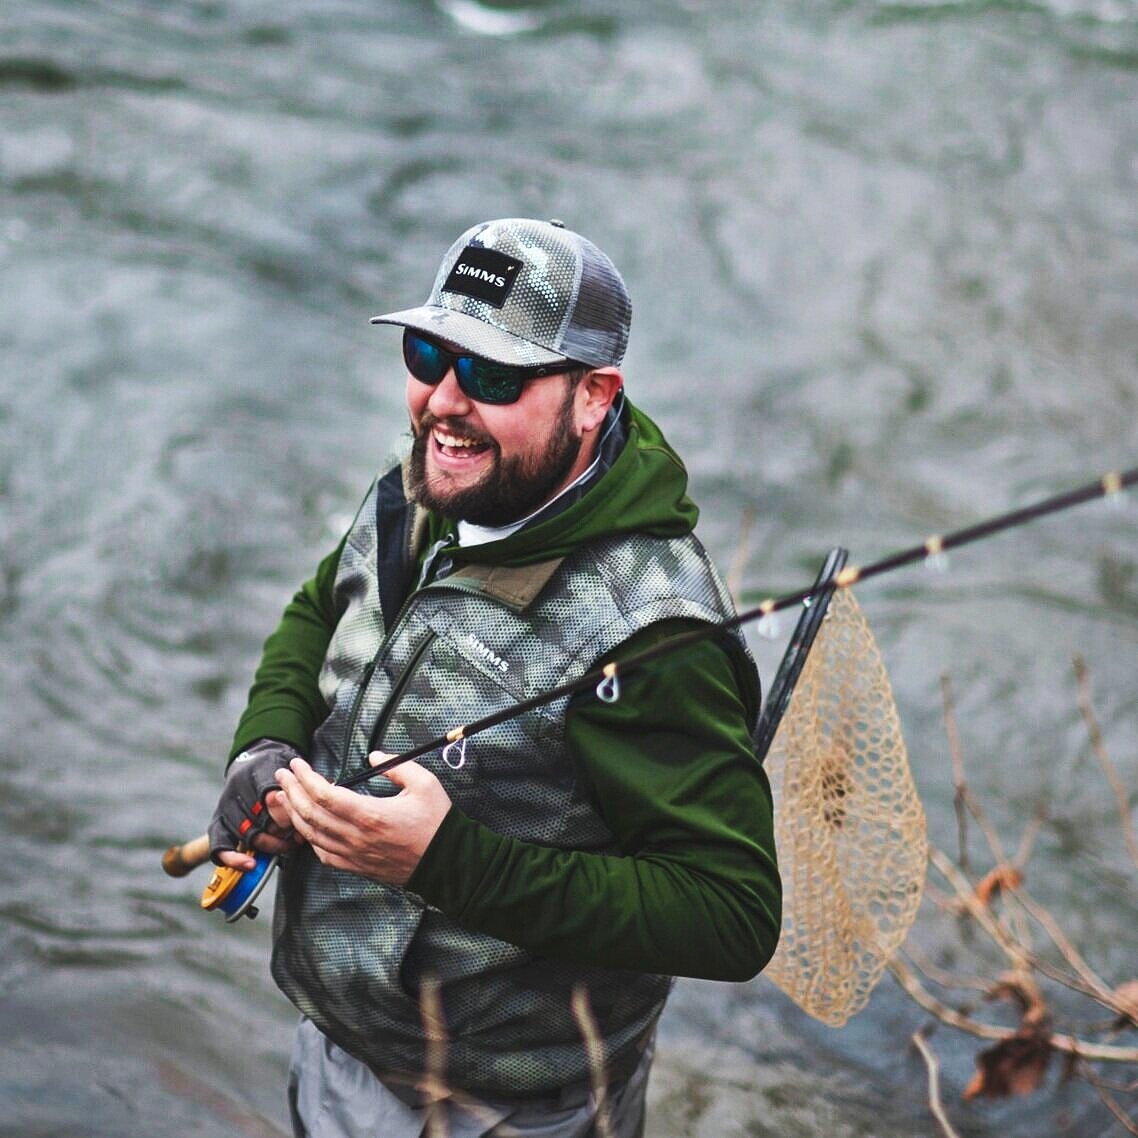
431	557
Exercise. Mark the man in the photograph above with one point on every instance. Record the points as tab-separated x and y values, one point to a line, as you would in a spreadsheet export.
484	914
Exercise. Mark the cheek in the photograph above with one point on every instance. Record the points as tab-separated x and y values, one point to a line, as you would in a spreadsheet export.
510	435
417	395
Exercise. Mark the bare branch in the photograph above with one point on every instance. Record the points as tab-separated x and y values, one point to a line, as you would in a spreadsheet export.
947	903
933	1066
1099	748
1095	986
941	977
983	916
734	575
1085	980
964	798
595	1052
1104	1089
434	1079
1092	1076
1067	1044
960	784
998	906
1114	1108
1030	833
950	1016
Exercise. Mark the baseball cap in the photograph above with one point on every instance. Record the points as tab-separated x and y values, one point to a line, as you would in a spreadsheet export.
519	291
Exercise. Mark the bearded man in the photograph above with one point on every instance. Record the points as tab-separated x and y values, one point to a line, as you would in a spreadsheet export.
442	928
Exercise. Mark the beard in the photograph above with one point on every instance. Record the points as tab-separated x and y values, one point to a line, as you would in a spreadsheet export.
511	489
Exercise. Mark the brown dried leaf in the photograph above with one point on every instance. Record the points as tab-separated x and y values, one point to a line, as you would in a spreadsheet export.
1002	877
1020	987
1015	1066
1127	995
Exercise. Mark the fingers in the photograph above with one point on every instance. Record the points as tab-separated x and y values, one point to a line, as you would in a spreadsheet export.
406	775
324	815
378	837
262	841
265	842
278	812
235	860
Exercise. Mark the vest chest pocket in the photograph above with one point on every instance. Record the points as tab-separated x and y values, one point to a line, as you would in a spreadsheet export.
452	679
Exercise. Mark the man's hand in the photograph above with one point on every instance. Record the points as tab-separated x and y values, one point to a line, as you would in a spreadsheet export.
247	812
379	838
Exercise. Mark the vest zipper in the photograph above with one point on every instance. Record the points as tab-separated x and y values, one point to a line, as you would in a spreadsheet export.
396	692
384	717
354	716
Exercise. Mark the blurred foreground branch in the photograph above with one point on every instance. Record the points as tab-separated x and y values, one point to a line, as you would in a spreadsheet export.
1062	1006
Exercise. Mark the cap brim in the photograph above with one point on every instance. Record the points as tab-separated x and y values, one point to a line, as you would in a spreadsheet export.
471	334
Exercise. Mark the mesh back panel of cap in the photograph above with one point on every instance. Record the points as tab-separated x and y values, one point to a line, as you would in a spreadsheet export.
600	318
849	824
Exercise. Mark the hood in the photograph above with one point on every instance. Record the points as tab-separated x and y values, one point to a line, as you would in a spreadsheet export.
644	491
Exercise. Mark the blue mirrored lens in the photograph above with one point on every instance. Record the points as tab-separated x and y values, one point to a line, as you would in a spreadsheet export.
488	382
427	362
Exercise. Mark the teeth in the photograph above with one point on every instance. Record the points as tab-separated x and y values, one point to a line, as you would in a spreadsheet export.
452	440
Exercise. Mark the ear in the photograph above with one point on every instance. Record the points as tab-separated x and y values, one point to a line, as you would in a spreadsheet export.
595	395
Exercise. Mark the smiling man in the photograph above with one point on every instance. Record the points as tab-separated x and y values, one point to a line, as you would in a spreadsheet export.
491	464
441	929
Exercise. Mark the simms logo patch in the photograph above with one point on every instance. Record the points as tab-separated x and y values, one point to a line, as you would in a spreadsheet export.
484	274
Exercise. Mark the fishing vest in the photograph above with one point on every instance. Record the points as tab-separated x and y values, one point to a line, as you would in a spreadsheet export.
354	955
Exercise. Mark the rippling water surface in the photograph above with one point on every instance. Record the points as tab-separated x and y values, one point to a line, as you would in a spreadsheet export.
884	259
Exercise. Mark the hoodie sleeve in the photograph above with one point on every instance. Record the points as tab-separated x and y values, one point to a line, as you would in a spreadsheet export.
285	701
695	889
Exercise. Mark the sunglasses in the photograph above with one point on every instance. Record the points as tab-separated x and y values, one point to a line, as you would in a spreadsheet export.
482	380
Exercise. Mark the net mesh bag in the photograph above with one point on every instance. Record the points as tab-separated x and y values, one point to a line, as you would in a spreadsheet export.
849	825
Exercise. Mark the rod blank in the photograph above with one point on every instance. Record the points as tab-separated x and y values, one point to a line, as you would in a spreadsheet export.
180	860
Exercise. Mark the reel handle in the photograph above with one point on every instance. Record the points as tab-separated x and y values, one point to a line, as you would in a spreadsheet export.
177	861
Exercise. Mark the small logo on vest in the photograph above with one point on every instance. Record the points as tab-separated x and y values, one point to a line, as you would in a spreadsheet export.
487	654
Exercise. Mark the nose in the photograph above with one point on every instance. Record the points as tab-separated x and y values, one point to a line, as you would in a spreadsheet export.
447	399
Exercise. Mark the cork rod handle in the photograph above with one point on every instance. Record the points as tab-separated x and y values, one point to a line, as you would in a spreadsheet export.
177	861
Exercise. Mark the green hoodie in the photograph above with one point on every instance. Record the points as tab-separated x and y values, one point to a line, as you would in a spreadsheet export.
669	766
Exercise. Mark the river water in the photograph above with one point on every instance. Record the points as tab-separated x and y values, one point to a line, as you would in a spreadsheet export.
884	262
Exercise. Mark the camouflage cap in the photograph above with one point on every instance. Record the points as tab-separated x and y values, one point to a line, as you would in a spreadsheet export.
526	292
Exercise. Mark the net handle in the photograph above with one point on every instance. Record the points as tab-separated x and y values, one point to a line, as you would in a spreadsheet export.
813	612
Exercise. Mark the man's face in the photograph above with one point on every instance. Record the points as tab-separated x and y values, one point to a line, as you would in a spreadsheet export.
492	464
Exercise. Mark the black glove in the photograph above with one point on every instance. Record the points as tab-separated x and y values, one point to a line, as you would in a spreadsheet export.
241	809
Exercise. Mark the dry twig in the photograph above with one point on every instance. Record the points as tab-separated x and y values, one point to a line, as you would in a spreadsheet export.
1104	1088
940	976
964	799
935	1105
1067	1044
434	1078
595	1051
1099	748
734	575
998	904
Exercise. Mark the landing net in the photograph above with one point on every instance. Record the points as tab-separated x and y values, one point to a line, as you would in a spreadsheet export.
849	825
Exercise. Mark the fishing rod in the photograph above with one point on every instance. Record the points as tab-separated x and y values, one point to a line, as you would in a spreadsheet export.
235	890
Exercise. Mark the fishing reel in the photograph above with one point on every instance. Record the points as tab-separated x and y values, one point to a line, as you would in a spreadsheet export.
233	891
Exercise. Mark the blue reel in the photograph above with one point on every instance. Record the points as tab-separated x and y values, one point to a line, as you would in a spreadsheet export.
233	891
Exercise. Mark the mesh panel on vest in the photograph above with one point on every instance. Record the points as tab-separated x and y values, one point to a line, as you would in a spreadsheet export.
352	954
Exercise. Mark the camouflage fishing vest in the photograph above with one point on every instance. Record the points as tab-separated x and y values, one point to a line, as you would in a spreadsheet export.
352	954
